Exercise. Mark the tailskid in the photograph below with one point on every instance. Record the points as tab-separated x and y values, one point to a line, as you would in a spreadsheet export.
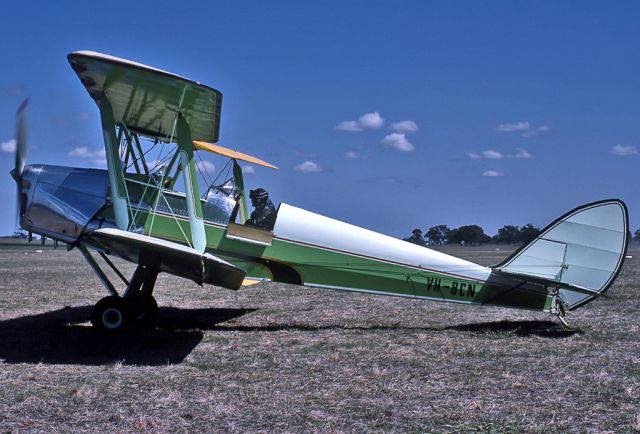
559	307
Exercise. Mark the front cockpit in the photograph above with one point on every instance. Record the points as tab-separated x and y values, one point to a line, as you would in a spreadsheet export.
61	202
65	202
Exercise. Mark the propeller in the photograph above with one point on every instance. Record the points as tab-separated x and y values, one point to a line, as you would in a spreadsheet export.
21	153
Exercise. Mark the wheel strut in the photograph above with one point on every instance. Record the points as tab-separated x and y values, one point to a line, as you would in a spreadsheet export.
136	306
139	295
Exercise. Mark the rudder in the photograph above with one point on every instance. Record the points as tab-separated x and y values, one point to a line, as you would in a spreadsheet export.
584	248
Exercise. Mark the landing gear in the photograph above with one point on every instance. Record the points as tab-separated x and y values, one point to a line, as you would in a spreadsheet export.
145	312
110	314
115	314
135	309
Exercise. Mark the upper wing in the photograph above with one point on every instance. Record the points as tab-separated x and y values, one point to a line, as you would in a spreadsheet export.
172	257
146	99
226	152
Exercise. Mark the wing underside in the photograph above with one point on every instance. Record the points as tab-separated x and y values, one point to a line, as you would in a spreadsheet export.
147	99
171	257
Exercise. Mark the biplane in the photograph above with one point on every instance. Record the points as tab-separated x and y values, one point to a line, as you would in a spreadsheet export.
155	213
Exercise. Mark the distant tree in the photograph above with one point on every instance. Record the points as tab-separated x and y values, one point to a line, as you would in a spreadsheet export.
636	235
416	238
468	235
19	234
508	234
528	233
452	236
437	235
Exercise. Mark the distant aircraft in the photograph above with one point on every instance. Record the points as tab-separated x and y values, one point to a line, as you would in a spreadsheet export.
132	210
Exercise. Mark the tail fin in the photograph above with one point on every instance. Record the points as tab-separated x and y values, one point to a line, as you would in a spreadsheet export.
581	252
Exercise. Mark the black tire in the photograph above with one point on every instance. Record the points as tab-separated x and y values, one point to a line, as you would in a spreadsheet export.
110	314
145	312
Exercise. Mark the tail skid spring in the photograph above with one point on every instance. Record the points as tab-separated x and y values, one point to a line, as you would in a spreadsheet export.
558	307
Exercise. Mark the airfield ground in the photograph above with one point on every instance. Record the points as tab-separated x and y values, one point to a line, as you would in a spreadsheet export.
282	358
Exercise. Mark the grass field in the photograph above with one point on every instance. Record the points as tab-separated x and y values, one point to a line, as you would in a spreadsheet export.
282	358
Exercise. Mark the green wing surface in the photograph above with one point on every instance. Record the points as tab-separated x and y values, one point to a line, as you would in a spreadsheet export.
173	258
146	99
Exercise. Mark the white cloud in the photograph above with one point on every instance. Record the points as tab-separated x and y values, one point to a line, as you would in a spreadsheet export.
371	121
84	152
206	166
248	169
308	167
492	173
535	131
8	146
350	126
399	142
492	155
524	128
352	155
98	156
623	151
523	154
404	127
518	126
81	152
155	164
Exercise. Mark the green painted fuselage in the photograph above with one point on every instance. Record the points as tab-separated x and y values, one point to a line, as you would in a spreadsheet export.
298	260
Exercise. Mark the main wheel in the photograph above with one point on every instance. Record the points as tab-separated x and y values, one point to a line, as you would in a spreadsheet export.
145	311
111	314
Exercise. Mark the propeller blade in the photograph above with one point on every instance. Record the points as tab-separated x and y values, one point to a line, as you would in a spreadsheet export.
16	223
21	141
21	155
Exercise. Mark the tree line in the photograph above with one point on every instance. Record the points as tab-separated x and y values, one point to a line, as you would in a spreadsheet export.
471	235
474	235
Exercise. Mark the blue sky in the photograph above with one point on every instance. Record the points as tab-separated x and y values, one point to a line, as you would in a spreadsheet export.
388	115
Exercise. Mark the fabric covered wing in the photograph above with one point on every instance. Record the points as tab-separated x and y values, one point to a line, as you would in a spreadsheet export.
173	258
226	152
146	99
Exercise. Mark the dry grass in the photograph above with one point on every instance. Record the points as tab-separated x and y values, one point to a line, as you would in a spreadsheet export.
282	358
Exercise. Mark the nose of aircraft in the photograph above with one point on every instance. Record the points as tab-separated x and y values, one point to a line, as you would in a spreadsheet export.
25	189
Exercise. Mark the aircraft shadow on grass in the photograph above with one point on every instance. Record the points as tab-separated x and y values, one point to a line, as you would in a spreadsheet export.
60	337
545	329
63	337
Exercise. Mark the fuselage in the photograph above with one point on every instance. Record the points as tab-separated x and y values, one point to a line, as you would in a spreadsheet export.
304	248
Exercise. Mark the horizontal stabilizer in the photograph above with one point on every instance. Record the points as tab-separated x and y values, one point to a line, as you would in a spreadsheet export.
581	252
172	257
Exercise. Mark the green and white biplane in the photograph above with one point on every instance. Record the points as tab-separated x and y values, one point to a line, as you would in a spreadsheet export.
133	210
